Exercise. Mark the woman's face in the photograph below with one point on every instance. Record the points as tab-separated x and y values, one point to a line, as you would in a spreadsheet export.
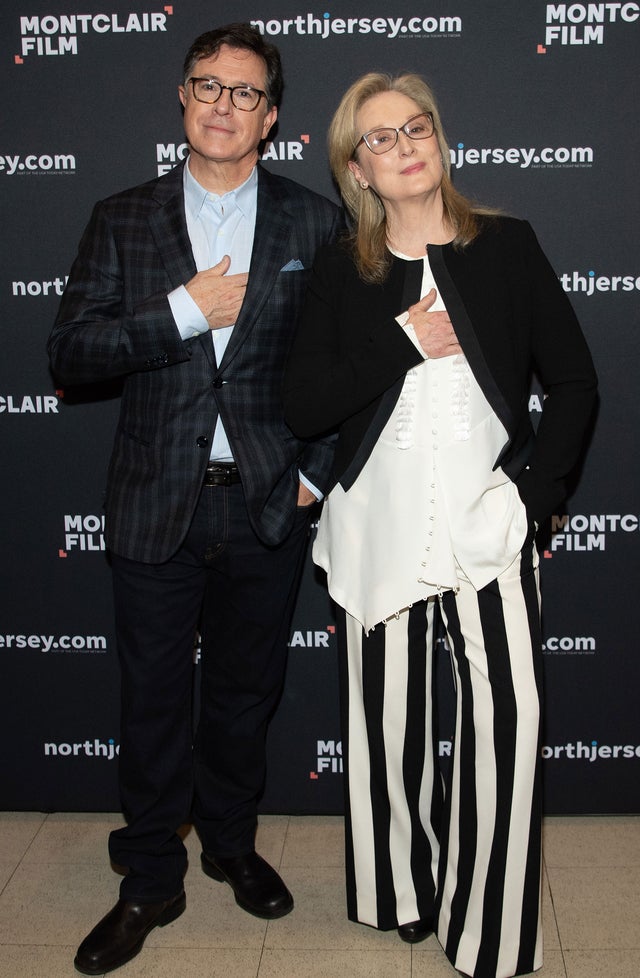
412	169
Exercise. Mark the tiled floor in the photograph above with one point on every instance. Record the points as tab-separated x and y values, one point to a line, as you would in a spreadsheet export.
56	882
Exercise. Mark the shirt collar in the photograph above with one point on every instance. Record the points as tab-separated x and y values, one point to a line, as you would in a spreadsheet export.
244	197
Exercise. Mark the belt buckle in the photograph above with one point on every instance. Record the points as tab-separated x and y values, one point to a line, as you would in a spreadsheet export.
221	474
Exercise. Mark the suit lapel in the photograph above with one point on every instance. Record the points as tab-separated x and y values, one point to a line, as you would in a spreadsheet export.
269	254
467	336
401	290
169	229
270	248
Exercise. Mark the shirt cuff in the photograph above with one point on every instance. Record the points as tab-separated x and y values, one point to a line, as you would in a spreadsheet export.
305	482
188	316
403	321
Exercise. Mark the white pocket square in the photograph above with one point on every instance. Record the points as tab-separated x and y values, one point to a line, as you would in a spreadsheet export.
295	265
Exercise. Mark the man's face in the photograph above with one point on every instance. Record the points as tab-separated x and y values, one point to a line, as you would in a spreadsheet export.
219	133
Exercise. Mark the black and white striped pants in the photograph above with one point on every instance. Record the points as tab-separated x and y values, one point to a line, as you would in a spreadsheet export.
464	850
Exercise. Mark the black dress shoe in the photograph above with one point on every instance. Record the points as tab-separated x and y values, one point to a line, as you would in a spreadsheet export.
257	887
120	935
416	931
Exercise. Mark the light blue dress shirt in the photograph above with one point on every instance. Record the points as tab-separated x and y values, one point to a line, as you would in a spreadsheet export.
217	225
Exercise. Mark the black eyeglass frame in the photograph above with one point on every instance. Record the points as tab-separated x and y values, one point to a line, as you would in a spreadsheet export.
397	130
229	88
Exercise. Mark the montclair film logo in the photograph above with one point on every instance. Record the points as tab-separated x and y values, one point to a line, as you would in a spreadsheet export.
28	404
329	757
582	533
84	533
580	24
168	155
95	749
56	35
312	639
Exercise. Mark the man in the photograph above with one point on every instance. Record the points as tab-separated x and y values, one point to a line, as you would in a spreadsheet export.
188	288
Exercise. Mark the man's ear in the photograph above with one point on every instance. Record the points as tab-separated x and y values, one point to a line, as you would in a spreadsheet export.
269	120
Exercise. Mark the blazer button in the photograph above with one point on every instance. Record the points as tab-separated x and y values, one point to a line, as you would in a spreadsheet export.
218	382
202	441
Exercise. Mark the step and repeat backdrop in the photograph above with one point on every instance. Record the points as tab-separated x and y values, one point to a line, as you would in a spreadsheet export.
540	106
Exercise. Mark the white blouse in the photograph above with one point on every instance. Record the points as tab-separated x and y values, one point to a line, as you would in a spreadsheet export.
427	507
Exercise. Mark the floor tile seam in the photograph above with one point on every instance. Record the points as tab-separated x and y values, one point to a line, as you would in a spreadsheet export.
302	945
586	948
199	946
600	950
304	862
39	944
589	816
260	961
26	849
99	860
284	841
561	949
43	859
7	883
395	950
32	944
608	865
553	903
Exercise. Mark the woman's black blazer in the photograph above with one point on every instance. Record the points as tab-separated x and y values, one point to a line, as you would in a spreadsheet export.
512	319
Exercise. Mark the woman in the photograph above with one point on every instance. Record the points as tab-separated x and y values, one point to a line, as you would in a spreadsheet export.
417	343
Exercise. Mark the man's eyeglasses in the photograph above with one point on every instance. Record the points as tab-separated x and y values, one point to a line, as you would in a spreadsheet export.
382	140
242	96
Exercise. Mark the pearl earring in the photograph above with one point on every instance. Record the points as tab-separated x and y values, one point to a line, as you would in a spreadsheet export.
364	185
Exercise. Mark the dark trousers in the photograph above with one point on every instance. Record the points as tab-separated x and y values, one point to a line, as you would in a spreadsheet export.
242	594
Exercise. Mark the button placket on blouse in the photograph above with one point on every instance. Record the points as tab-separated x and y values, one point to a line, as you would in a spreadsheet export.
431	491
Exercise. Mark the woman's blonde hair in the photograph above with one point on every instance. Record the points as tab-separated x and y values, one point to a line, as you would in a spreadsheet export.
369	235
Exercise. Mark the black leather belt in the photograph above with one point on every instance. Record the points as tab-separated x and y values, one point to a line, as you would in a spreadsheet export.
222	474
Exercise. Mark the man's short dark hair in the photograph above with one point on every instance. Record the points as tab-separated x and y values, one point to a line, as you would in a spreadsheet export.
246	37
